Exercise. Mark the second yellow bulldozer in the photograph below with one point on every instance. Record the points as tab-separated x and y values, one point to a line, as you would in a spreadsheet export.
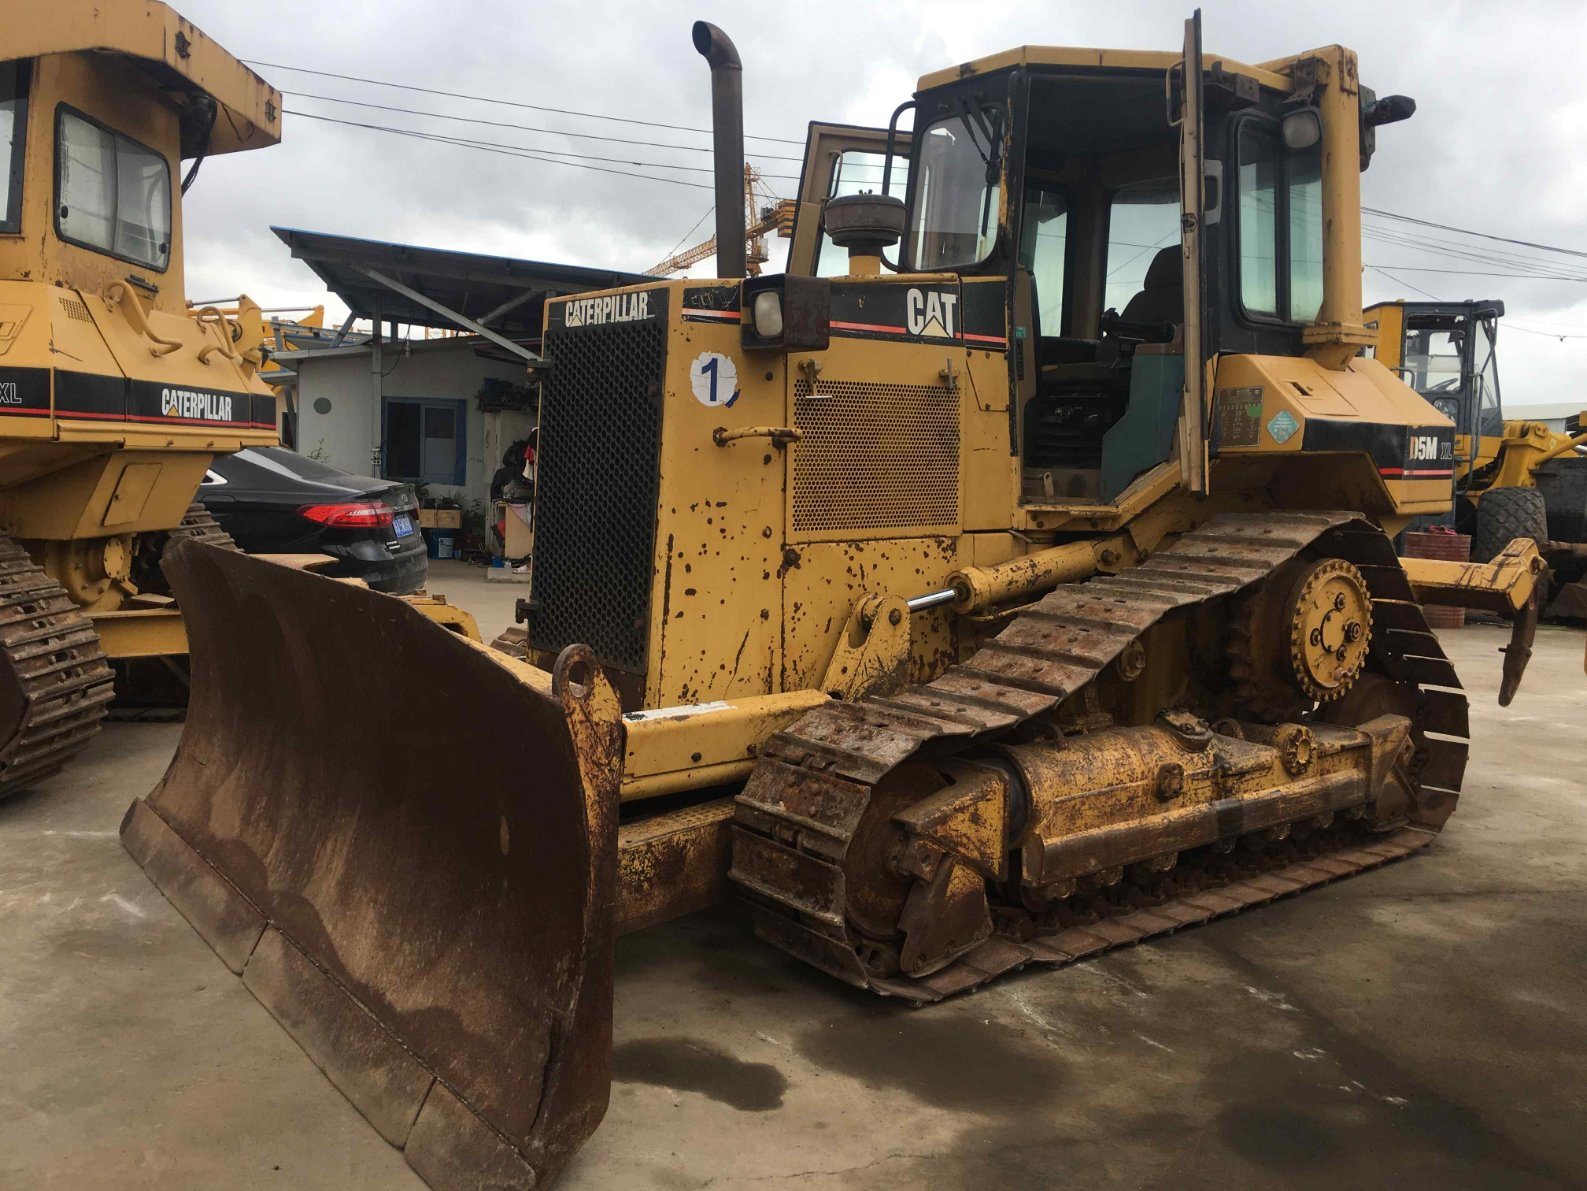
114	393
1009	580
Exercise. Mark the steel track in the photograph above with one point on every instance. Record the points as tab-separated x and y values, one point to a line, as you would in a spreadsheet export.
809	792
57	678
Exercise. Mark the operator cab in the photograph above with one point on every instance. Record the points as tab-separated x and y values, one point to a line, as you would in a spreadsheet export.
1446	352
1059	171
96	117
1092	247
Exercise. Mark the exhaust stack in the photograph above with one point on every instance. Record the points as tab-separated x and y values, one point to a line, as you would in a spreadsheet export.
727	140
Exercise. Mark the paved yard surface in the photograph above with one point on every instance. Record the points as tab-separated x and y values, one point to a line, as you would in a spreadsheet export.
1420	1026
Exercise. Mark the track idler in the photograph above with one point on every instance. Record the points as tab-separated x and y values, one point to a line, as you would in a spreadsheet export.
405	844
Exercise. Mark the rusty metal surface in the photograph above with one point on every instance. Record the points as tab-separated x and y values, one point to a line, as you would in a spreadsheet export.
54	680
672	864
805	859
438	937
1503	585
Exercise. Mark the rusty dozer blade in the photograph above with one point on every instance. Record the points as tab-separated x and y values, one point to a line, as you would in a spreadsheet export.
405	843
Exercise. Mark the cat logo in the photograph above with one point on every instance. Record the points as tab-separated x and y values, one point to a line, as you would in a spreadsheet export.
614	308
195	405
930	314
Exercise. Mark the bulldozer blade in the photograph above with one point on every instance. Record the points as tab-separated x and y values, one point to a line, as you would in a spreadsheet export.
405	843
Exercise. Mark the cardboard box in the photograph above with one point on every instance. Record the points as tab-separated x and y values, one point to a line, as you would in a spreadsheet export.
520	537
441	518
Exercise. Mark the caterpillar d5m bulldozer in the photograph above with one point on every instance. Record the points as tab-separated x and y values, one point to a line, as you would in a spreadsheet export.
1512	478
114	395
1010	580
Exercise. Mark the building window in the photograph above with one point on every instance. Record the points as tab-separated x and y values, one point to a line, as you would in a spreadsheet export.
111	194
424	440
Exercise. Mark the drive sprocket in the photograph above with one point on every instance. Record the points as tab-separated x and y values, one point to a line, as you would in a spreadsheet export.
1330	629
1300	639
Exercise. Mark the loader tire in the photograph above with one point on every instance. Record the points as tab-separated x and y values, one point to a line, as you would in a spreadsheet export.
1504	514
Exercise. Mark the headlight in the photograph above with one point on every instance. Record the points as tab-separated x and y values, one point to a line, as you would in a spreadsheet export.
768	314
785	313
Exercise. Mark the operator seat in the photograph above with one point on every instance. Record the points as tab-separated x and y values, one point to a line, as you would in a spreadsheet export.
1162	295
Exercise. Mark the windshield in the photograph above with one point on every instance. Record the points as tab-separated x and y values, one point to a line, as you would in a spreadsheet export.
13	124
953	221
1485	376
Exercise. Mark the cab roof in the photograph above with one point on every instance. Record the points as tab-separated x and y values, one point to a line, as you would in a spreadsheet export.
173	51
1060	56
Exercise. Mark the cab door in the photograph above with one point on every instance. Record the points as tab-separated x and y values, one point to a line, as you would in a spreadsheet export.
839	159
1192	189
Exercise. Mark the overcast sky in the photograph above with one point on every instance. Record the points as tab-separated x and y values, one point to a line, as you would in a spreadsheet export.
1498	144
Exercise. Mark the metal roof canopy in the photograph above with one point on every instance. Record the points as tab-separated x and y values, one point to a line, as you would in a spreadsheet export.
497	297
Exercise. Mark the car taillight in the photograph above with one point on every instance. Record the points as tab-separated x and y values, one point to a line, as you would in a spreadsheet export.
362	515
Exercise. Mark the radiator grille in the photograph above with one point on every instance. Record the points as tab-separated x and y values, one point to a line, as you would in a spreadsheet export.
875	456
596	478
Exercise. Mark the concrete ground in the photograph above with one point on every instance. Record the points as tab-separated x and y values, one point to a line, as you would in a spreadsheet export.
1419	1026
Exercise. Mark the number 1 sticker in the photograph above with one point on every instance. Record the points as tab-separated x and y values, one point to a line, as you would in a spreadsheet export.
714	379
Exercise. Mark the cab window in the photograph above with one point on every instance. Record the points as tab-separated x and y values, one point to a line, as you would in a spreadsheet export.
1143	219
1044	250
953	213
111	194
1280	225
13	134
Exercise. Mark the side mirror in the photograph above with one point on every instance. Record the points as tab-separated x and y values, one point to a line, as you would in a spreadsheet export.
1391	109
1302	129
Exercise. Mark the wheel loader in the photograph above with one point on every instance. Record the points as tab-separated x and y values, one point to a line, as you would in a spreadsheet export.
114	393
1009	580
1512	478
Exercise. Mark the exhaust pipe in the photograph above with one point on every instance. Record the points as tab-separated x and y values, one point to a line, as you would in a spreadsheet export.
727	137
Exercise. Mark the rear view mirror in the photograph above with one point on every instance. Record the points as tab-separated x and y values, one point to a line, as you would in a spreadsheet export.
1302	129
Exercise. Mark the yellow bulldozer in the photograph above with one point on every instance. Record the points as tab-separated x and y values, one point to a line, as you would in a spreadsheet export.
1512	478
1009	580
114	393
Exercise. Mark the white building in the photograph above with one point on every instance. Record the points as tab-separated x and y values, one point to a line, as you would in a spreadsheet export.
430	426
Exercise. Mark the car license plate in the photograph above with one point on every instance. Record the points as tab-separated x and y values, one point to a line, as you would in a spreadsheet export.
403	524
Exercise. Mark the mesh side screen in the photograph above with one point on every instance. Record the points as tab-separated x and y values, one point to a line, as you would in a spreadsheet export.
75	309
875	455
596	479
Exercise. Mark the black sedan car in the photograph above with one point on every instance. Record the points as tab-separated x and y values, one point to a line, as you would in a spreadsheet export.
275	501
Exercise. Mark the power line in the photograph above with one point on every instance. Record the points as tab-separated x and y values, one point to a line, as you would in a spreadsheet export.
1444	227
1515	326
1483	273
503	150
588	136
673	251
519	150
1522	264
513	103
473	143
1508	323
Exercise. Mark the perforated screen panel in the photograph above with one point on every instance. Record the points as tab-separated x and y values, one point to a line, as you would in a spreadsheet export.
596	478
875	456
